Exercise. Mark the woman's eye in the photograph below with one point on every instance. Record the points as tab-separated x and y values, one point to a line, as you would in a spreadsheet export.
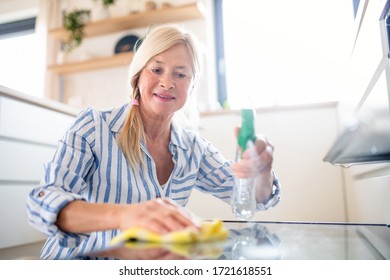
156	70
181	75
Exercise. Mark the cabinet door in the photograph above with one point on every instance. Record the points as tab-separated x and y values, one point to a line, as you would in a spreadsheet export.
28	122
368	193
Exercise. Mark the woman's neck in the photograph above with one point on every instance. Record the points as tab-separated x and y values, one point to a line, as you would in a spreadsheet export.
157	129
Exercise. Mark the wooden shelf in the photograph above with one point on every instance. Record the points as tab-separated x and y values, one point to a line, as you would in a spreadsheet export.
137	20
174	14
123	59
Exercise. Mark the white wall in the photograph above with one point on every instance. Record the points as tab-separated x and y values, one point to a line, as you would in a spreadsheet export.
11	10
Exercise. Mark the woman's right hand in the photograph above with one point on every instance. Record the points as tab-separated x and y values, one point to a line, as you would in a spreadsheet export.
159	215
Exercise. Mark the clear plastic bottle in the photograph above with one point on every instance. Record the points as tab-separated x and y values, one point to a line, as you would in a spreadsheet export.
243	197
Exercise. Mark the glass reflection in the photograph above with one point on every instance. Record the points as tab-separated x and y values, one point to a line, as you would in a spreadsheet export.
254	242
159	251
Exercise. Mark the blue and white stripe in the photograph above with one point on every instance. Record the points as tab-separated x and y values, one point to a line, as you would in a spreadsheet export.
89	165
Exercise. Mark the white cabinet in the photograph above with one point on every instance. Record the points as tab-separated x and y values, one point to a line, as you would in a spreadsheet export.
368	194
32	123
29	131
368	185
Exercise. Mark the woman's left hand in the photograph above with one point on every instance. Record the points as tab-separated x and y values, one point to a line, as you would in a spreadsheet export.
256	162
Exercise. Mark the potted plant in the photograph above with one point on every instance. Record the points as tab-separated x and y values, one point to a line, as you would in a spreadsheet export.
101	9
106	3
74	23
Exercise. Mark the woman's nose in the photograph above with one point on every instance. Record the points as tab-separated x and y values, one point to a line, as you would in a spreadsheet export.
166	81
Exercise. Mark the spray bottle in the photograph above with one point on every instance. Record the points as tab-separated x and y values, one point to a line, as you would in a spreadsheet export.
243	197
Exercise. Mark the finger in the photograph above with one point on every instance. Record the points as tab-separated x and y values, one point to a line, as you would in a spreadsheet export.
252	164
251	152
261	153
265	158
172	216
152	217
261	143
236	131
154	225
196	221
173	221
245	174
243	170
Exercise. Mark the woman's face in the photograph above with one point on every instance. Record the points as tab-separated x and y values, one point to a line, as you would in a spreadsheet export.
165	82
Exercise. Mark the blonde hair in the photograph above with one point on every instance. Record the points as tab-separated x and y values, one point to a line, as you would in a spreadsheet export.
159	39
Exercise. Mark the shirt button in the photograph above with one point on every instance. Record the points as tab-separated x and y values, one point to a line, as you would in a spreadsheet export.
40	194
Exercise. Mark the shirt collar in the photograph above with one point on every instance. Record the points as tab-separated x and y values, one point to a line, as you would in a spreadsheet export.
178	136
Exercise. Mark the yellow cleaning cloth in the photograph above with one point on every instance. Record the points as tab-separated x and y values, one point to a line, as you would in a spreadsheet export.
208	231
208	250
204	242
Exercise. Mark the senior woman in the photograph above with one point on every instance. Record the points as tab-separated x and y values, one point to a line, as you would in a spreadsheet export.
134	166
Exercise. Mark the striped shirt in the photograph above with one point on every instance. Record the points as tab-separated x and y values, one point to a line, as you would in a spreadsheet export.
89	165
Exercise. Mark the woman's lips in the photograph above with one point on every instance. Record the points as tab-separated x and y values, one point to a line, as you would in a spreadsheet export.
164	96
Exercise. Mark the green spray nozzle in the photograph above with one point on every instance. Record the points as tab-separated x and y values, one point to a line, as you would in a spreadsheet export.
247	131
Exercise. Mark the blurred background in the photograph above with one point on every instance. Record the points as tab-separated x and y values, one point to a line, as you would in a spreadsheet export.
310	68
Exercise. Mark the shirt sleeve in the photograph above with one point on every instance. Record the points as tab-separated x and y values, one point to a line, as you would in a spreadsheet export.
214	174
63	182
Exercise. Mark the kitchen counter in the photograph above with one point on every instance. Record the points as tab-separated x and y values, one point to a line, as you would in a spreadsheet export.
40	102
274	241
